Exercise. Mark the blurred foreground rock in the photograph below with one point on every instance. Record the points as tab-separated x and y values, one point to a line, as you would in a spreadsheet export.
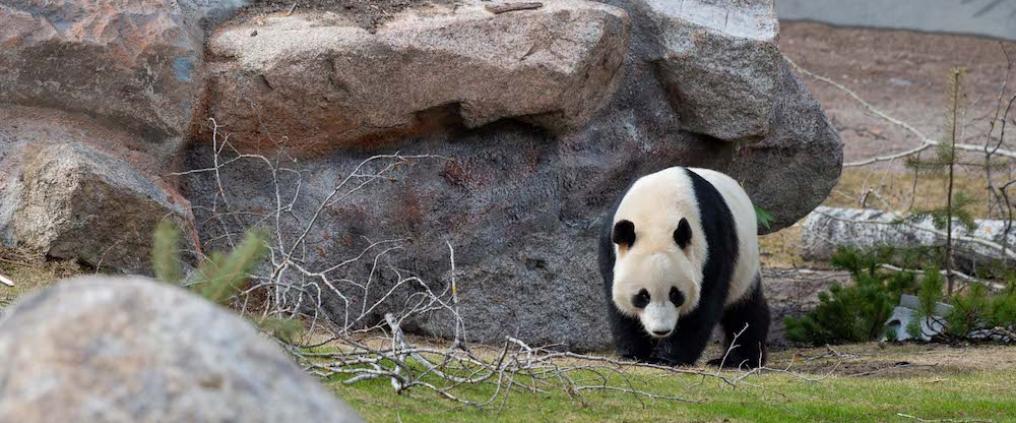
103	349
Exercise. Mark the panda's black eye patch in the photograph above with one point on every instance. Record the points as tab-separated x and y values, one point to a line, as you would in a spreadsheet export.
624	233
682	235
641	300
676	296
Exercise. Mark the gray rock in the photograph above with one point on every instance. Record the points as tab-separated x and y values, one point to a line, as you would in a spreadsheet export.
74	202
102	349
137	64
26	130
535	121
719	63
520	204
906	314
10	186
321	81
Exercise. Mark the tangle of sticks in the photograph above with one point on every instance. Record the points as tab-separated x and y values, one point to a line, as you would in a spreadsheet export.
355	346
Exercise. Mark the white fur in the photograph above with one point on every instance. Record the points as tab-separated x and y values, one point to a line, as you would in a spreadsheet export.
655	204
659	318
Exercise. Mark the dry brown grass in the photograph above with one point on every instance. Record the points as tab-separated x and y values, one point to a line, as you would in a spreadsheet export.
894	190
886	190
29	274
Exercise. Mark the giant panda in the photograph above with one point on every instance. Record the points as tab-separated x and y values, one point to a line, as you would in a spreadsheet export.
679	254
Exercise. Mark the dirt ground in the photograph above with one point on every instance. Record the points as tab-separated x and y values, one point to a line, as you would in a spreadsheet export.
895	360
903	73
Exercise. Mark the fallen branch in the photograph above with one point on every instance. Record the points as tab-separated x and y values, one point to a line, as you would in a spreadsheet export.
828	228
908	416
498	9
6	281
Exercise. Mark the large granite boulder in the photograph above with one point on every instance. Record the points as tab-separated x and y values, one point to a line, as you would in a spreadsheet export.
519	203
96	101
529	122
322	82
104	349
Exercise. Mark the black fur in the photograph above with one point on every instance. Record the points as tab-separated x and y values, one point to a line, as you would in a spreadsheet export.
630	340
750	315
624	233
685	345
682	235
676	296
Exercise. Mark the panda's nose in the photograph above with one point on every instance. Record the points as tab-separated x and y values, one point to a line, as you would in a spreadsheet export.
661	333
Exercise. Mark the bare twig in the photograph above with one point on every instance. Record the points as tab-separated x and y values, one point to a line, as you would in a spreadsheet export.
918	419
498	9
363	347
6	281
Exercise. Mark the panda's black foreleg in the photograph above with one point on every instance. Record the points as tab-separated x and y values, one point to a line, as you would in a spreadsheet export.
685	345
631	342
746	325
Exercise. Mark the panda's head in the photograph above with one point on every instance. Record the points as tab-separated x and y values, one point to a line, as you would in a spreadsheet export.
660	251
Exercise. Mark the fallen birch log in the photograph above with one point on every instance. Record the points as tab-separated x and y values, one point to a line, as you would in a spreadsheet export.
827	228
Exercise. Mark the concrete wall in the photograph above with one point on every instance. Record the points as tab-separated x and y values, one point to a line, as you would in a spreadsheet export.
994	18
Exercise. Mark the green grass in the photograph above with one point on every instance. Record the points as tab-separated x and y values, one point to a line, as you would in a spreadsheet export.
956	383
773	397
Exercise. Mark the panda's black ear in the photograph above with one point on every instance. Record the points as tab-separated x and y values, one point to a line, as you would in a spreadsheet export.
682	235
624	233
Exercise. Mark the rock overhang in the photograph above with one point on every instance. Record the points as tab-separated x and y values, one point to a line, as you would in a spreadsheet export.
554	67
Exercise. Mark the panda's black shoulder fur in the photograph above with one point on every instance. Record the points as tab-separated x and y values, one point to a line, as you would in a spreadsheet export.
693	332
721	237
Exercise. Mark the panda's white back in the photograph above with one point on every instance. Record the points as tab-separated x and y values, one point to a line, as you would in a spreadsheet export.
743	211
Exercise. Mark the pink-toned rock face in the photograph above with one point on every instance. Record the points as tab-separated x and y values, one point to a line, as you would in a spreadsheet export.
133	62
318	81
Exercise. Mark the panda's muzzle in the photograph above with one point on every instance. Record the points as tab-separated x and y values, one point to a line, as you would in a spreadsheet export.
659	319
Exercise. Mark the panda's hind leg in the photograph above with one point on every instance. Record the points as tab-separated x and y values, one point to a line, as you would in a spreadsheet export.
746	325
